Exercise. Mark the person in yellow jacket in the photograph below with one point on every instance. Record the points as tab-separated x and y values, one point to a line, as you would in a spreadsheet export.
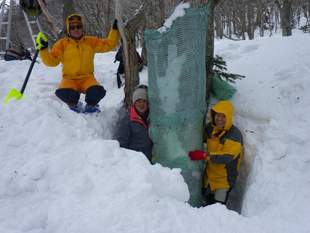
224	153
76	54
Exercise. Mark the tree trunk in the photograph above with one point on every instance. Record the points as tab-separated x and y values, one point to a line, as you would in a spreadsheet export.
219	27
243	22
155	15
234	21
260	18
230	28
50	20
210	46
250	20
108	17
130	56
286	17
308	13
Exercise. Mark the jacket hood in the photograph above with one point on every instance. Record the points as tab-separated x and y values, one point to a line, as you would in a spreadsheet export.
77	21
227	109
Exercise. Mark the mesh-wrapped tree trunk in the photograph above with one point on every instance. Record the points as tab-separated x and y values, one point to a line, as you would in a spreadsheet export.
177	92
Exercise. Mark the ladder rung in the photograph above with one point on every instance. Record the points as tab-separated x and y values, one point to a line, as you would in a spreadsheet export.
32	25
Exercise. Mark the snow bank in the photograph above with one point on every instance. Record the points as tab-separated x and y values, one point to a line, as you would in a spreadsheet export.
179	11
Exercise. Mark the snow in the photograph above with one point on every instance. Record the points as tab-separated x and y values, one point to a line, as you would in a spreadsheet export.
63	172
179	11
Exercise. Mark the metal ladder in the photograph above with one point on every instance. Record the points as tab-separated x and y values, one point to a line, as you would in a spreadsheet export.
30	25
7	24
5	32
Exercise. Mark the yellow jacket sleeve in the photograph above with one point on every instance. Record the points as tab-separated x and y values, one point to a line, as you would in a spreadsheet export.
54	56
104	45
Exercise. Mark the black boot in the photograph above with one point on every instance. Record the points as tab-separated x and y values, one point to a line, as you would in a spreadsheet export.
94	94
68	95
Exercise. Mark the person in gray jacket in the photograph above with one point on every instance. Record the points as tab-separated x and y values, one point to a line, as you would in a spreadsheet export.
134	126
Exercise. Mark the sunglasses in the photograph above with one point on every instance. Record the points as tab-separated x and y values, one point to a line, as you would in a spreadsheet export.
73	27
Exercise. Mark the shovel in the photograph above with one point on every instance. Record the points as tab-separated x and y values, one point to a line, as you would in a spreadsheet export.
14	93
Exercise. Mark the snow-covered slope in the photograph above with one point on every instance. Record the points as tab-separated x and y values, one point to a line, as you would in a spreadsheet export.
62	172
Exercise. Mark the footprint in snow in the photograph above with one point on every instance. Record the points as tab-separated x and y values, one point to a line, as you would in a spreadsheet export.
250	48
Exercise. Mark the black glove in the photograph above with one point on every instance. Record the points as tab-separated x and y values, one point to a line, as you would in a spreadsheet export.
115	27
44	44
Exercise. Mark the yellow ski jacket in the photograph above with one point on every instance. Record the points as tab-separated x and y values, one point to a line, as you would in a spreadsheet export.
225	149
77	56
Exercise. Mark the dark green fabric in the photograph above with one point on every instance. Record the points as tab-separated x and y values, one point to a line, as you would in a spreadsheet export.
221	89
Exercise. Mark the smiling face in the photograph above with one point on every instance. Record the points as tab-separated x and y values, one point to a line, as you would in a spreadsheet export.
76	30
75	26
220	120
141	105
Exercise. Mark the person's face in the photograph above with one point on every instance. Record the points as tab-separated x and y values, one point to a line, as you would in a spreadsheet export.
141	106
220	120
76	31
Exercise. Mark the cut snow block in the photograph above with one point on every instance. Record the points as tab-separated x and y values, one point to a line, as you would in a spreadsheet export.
177	93
221	89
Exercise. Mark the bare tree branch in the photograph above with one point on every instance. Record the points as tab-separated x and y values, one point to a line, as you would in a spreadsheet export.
55	30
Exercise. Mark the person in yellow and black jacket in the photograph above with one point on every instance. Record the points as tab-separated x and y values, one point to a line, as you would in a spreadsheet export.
223	155
76	53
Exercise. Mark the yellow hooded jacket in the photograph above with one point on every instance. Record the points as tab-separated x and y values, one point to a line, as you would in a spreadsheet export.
77	56
225	148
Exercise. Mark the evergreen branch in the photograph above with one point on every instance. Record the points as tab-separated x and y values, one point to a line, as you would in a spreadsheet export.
220	68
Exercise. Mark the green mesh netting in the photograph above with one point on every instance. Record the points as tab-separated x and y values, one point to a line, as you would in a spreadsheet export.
177	88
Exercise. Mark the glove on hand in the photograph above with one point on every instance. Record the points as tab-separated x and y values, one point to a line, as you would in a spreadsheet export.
115	27
197	155
41	41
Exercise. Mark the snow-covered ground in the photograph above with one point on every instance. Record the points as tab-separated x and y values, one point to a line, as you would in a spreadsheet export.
62	172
